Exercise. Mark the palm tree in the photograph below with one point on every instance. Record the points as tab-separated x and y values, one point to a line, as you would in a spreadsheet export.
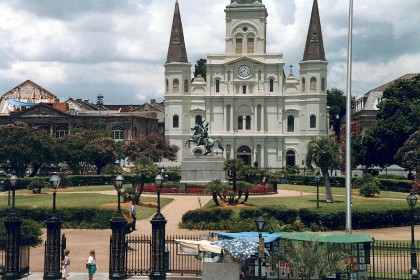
233	166
325	153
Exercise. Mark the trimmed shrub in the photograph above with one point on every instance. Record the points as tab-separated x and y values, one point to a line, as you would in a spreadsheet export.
208	215
31	234
37	185
391	176
280	213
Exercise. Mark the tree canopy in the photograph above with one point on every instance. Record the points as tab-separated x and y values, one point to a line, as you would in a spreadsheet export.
408	155
336	100
397	119
153	146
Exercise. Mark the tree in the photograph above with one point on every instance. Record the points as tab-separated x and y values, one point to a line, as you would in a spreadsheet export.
233	166
153	146
397	119
85	148
408	155
200	68
336	100
22	146
325	153
144	168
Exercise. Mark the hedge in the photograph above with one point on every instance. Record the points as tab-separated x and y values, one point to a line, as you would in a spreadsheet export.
83	218
280	213
30	232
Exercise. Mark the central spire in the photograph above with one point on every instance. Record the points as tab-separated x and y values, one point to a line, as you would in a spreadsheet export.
314	49
176	50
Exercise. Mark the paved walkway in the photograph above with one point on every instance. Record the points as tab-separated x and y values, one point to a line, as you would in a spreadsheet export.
81	241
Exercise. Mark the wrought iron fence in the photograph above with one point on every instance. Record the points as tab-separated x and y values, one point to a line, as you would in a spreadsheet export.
392	259
2	262
139	256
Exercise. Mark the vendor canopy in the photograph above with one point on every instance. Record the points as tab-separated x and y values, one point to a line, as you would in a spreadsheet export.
201	245
326	237
251	236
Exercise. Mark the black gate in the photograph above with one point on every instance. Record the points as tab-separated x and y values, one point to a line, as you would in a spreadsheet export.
139	256
23	260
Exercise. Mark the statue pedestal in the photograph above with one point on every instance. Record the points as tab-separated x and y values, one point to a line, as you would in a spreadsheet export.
200	170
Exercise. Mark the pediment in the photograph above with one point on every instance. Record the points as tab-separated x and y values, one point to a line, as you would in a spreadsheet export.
29	91
244	59
40	110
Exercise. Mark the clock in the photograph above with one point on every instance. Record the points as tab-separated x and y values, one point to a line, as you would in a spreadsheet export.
244	71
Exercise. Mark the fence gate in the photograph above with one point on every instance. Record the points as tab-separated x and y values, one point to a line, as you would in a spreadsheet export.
139	256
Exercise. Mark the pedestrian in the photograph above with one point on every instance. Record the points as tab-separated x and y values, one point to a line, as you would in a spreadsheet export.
133	215
91	264
65	265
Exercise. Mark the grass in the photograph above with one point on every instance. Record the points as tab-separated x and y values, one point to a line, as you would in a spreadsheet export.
69	199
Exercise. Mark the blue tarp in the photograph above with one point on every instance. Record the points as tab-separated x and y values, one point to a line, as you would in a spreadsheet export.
251	236
19	103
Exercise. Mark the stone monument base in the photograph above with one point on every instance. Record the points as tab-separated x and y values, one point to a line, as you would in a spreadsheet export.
200	170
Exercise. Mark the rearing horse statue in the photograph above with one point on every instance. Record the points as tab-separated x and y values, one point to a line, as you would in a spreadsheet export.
201	138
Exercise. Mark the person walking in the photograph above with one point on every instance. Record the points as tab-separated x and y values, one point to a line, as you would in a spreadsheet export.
65	265
133	215
91	264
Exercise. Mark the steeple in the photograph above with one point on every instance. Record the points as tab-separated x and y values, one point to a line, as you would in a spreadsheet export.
314	49
176	50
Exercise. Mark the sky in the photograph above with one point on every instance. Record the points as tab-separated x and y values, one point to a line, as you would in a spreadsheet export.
117	48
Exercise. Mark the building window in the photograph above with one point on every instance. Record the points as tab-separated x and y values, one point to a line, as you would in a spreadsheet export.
175	85
61	131
303	84
167	85
117	133
323	84
238	45
186	86
217	85
240	123
290	124
271	85
291	158
250	45
244	89
175	121
312	121
248	123
313	84
198	119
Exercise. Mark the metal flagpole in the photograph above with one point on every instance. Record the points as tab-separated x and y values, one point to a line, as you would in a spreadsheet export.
348	122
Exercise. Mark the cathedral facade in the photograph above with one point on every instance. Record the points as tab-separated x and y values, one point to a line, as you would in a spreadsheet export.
261	113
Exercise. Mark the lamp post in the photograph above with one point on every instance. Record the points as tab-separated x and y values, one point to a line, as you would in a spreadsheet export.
12	225
158	237
317	179
412	200
260	221
52	247
118	226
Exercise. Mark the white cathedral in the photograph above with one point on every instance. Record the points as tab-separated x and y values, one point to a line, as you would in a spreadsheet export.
261	114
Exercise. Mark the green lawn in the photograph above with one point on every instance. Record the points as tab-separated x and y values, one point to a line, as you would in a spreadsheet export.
68	199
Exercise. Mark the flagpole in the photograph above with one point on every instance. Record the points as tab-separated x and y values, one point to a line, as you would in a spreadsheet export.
348	122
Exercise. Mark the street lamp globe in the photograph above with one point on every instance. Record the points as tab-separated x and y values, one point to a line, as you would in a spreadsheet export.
118	182
411	199
55	179
158	180
317	178
260	221
13	179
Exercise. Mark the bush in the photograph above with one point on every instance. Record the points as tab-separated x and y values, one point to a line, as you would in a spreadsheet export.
31	234
391	176
208	215
369	187
37	184
280	213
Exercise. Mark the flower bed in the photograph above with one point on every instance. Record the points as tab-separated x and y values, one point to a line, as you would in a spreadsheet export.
258	189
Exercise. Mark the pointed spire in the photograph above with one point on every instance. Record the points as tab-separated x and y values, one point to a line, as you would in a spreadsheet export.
314	49
177	51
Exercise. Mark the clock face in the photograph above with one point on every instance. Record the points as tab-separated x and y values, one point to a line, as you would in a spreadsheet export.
244	71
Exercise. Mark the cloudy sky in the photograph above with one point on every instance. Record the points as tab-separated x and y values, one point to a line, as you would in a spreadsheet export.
81	48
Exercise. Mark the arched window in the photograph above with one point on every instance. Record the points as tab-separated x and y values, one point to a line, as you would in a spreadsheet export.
244	89
240	123
117	133
61	131
271	85
312	121
303	84
186	85
290	124
217	85
198	119
247	122
167	85
313	84
291	158
175	86
250	45
198	152
175	121
238	45
323	84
